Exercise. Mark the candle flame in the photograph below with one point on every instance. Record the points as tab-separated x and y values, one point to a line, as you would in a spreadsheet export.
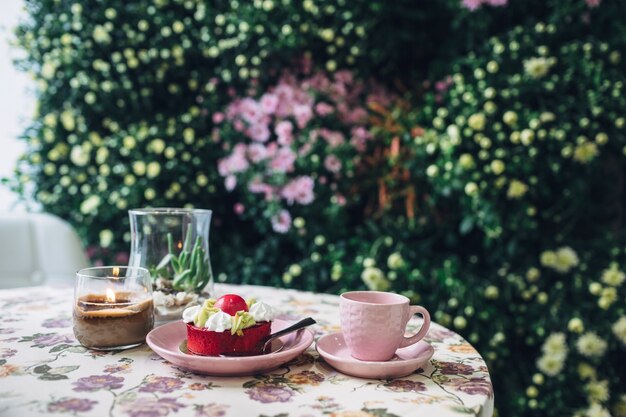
180	244
110	296
116	271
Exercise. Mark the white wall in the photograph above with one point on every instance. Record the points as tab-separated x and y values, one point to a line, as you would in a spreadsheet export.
17	101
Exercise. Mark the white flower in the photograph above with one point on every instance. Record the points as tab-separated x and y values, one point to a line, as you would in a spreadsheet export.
471	188
90	204
619	329
596	410
375	279
477	121
510	118
497	166
295	270
555	344
432	170
454	132
598	391
157	146
101	155
149	193
613	276
395	261
537	67
79	156
554	354
50	120
551	365
561	260
566	259
575	325
139	168
586	371
516	189
591	345
466	161
67	120
369	262
585	152
48	69
129	142
101	35
106	237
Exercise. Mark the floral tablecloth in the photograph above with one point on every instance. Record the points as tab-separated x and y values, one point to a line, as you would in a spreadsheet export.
43	370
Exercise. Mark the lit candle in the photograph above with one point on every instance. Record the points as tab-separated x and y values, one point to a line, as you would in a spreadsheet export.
118	317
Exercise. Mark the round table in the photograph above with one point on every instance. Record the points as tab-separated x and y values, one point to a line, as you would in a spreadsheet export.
44	370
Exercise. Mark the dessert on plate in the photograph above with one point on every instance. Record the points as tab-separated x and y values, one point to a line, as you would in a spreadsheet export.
229	325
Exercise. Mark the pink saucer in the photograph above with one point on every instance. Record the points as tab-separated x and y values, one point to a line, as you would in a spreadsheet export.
334	350
166	341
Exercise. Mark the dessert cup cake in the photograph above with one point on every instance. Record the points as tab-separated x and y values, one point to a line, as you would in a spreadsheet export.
228	326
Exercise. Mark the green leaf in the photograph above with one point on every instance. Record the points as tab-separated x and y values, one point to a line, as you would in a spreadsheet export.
166	259
52	377
379	412
41	369
250	384
59	348
77	349
63	370
464	410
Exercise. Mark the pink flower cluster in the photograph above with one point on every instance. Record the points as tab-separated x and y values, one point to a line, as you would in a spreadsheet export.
275	133
475	4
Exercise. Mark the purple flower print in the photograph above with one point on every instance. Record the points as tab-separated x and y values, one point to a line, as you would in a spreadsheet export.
51	339
452	368
306	377
113	369
152	407
98	382
211	410
473	386
71	405
7	353
57	323
270	394
161	384
405	385
7	330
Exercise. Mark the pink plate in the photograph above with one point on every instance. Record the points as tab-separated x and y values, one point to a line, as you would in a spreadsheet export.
335	352
166	340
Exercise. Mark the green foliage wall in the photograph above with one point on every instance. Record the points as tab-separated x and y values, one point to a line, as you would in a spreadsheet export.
469	154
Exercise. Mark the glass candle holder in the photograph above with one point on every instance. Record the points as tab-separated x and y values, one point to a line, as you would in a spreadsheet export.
173	244
112	307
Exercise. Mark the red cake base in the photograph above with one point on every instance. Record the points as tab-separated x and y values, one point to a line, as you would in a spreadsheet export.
209	343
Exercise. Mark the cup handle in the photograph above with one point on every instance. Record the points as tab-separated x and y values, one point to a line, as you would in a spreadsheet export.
406	341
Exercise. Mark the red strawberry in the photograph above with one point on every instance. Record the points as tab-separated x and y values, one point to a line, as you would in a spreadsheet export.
231	304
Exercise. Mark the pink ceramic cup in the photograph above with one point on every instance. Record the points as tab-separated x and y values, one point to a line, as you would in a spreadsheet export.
373	323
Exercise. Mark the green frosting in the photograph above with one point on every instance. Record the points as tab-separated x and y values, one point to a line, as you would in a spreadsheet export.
241	320
207	310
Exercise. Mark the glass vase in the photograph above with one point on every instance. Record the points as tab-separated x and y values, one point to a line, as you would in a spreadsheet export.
173	244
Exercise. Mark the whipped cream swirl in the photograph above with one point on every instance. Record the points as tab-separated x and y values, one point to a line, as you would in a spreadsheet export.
219	322
262	312
190	313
